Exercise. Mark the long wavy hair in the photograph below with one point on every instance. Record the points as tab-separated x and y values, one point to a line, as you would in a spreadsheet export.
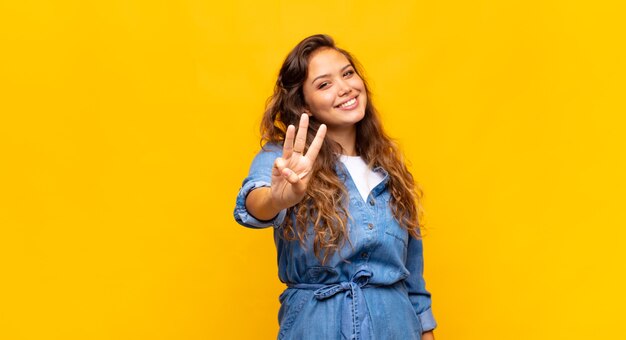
326	198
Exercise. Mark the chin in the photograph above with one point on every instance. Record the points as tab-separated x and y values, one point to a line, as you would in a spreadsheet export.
358	118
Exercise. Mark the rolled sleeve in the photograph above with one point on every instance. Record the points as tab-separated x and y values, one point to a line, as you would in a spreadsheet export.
418	295
427	319
243	217
260	175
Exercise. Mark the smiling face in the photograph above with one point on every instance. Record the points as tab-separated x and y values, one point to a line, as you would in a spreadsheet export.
333	92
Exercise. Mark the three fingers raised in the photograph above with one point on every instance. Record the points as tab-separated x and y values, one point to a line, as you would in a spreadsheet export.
295	143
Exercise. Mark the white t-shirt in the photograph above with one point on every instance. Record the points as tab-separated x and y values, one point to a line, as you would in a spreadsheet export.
364	178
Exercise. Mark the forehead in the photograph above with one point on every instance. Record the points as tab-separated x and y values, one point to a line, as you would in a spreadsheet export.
326	61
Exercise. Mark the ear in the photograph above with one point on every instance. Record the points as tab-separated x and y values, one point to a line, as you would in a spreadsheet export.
307	111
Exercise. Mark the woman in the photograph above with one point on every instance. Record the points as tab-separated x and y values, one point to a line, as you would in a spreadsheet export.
342	203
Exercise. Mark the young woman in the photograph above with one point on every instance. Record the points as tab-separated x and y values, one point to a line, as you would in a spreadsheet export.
344	208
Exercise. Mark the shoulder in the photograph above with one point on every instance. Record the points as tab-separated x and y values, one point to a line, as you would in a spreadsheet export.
264	159
272	147
270	150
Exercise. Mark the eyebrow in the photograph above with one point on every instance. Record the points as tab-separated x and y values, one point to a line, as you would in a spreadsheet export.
326	75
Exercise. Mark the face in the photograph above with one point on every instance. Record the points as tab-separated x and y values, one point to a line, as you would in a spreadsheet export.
333	91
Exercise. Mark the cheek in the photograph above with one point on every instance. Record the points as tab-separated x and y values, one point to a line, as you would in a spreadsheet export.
358	83
323	101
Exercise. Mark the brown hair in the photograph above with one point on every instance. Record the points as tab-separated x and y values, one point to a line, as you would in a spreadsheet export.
325	201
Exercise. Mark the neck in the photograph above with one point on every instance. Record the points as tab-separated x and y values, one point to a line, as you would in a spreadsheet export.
345	138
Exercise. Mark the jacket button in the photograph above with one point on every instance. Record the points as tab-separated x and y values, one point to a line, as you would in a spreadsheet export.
372	201
370	226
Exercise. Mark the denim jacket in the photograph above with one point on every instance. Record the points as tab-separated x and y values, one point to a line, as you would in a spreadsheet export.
378	293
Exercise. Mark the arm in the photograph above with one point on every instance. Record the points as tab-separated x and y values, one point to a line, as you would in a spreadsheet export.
428	335
260	204
259	179
418	295
277	183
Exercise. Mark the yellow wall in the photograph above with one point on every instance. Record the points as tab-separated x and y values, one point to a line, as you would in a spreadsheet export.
127	126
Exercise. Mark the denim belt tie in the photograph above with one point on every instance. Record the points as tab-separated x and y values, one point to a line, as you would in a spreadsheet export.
356	311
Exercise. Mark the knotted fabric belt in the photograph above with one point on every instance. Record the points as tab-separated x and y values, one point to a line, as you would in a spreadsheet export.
355	321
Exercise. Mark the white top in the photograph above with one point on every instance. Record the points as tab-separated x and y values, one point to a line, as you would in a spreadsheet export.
364	178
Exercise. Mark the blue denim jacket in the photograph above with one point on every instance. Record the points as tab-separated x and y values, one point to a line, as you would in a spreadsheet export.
378	293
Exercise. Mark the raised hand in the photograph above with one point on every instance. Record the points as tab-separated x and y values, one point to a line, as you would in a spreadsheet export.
291	172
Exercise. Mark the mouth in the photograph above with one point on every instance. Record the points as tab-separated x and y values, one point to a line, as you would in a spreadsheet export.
348	104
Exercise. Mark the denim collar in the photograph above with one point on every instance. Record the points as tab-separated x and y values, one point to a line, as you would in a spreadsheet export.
343	174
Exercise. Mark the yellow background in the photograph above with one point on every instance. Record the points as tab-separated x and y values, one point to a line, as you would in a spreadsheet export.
127	127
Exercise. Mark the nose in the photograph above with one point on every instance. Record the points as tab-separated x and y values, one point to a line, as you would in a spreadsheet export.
344	88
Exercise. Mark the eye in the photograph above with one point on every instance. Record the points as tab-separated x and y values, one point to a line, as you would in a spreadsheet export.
322	85
348	73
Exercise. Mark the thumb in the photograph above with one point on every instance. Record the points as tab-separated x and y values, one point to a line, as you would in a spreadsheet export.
291	176
279	165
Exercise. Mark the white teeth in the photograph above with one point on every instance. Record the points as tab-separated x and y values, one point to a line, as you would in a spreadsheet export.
348	103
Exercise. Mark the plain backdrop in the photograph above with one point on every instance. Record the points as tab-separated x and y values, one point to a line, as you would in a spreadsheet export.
127	127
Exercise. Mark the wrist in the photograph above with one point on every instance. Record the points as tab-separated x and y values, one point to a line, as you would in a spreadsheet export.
273	202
